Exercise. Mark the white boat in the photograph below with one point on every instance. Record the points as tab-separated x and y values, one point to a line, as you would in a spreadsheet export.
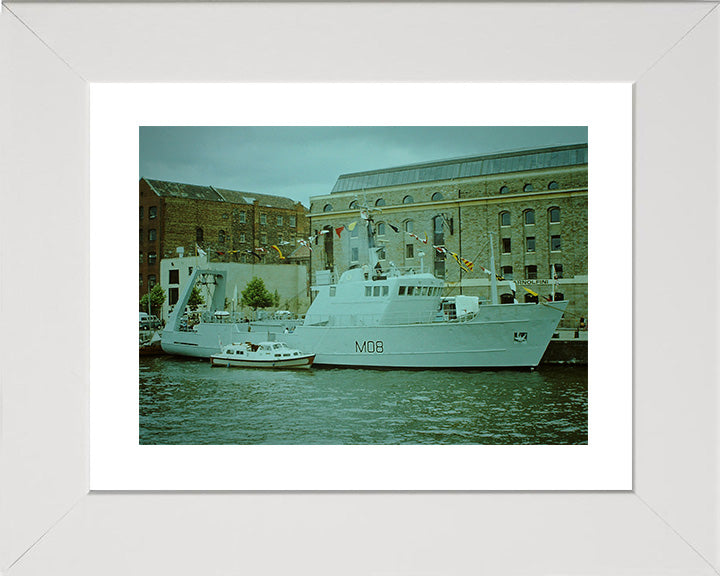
387	319
262	355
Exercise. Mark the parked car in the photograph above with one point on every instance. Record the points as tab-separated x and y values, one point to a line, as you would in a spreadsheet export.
148	322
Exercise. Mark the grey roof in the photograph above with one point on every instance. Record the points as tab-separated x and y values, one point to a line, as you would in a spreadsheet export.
191	191
178	190
249	197
501	163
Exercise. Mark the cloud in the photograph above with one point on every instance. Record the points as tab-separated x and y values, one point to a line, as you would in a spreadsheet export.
300	162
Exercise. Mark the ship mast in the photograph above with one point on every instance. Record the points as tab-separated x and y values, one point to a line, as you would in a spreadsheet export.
493	277
372	249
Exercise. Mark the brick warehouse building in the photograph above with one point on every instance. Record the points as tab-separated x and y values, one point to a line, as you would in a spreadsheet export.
534	203
224	223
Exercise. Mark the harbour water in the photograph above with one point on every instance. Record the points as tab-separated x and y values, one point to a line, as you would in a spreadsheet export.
185	401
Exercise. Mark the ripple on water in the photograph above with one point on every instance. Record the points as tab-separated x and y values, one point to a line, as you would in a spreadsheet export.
185	401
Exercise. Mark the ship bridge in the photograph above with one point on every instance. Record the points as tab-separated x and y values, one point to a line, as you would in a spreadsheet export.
359	299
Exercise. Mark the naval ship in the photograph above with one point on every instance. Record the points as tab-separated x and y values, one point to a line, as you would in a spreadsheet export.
382	319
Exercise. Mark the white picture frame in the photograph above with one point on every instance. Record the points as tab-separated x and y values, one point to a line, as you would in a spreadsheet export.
668	524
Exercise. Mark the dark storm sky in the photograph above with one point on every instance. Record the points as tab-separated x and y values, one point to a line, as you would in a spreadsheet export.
299	162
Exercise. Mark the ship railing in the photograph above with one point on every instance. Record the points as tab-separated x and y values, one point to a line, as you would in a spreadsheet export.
395	318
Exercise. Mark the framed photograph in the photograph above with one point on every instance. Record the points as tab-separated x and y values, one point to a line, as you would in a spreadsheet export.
651	112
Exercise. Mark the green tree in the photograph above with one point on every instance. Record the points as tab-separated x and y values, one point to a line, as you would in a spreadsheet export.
157	298
196	299
276	299
256	295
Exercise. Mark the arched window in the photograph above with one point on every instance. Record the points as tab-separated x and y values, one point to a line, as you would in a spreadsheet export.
152	212
408	225
506	298
504	190
380	202
408	200
152	235
505	218
199	235
554	215
559	296
529	216
328	208
553	185
381	229
353	205
528	188
531	298
221	237
152	257
437	196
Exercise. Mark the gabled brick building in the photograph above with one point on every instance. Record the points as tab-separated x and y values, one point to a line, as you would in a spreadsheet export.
226	224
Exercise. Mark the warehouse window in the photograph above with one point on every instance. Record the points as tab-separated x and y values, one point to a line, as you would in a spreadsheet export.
506	298
506	246
408	200
437	196
174	277
242	236
558	270
173	295
293	221
507	272
241	217
327	208
152	235
199	235
279	220
504	190
381	229
529	217
263	238
408	225
409	251
505	218
528	188
263	218
380	202
554	214
353	205
553	185
531	272
530	244
531	298
152	212
152	257
559	296
555	243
